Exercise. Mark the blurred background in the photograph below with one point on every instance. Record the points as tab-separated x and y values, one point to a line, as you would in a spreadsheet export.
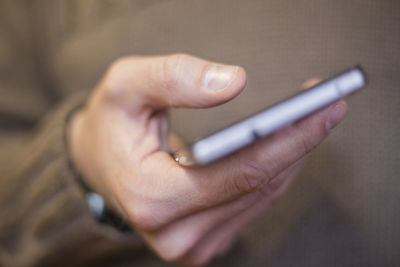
343	210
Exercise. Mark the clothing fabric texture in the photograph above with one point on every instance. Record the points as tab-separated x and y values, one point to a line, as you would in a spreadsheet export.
341	211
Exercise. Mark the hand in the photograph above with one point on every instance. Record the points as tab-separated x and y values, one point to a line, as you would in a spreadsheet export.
118	142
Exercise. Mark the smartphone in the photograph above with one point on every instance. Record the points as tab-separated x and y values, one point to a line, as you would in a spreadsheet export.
272	119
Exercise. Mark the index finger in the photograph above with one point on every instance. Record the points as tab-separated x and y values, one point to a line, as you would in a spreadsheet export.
186	190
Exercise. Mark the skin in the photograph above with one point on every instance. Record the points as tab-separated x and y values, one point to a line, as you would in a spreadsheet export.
185	214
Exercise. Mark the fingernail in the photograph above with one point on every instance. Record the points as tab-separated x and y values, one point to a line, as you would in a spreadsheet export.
218	77
336	115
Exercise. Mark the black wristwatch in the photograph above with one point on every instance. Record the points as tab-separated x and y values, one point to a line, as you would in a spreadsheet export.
99	208
103	214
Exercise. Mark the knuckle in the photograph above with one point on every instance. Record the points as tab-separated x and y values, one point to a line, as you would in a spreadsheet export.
307	142
172	251
146	217
150	203
170	70
254	175
170	254
115	79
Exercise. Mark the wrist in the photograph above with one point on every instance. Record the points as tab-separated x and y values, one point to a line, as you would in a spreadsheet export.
80	152
93	196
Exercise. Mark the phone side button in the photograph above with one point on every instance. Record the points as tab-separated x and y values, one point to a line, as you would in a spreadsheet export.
256	136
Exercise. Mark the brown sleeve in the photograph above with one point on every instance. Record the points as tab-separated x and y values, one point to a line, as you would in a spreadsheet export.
45	219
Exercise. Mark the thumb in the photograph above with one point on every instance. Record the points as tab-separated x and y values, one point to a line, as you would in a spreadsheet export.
172	81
